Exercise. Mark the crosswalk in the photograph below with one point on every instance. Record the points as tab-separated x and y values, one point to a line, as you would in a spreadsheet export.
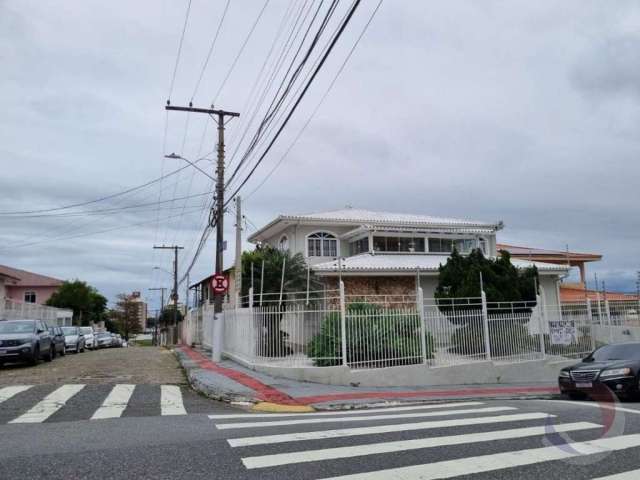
437	441
24	404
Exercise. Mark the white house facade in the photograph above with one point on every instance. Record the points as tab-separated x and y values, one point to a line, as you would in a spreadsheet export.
381	253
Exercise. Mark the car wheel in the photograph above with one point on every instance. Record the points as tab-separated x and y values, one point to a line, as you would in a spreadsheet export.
35	359
63	352
52	353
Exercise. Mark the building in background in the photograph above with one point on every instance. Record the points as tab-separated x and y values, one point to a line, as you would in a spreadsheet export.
28	287
141	311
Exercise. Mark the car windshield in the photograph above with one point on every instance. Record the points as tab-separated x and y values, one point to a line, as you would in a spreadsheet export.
104	335
16	327
86	330
70	330
630	351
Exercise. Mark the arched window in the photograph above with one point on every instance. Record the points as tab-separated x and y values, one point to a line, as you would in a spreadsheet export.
283	244
322	244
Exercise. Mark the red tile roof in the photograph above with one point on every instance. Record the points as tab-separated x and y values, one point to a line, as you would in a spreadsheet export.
575	294
29	279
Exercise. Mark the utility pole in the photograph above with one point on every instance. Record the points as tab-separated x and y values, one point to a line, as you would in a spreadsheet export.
219	117
238	266
174	292
162	290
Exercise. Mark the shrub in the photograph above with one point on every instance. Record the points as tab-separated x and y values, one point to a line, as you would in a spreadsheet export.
375	337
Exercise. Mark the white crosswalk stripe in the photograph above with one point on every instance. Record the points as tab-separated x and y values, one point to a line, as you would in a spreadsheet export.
171	400
115	403
284	449
404	445
497	461
404	427
49	405
7	392
279	423
340	413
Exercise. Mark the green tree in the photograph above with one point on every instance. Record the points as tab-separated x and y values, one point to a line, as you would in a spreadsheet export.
87	304
167	315
274	339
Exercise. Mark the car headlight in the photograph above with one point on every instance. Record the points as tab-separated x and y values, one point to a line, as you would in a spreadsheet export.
615	372
564	374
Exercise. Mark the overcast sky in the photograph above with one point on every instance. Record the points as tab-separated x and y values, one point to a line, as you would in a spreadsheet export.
525	112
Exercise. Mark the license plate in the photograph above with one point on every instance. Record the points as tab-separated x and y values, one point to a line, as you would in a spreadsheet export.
584	385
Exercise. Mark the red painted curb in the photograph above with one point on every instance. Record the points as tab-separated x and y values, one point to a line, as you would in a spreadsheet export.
264	392
467	392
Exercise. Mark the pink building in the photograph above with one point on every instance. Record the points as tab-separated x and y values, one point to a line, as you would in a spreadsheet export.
26	286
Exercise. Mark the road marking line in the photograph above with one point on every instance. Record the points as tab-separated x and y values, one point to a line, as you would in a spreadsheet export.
631	475
346	412
7	392
49	405
171	400
605	406
498	461
404	427
263	461
278	423
115	403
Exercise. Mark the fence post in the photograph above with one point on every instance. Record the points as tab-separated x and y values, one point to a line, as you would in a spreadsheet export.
423	327
541	323
343	324
590	319
485	323
251	299
608	312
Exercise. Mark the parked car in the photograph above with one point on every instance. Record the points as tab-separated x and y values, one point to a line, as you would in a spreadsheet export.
89	337
615	367
104	339
73	339
57	337
117	340
25	340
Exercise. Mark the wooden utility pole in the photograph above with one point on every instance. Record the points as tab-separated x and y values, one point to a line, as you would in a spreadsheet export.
238	265
219	117
174	292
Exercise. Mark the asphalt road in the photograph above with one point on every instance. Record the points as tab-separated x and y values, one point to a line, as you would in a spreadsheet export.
480	440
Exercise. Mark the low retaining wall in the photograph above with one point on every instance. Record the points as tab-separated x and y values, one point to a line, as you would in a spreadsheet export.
420	375
616	334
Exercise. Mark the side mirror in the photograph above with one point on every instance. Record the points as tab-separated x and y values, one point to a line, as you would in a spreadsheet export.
39	330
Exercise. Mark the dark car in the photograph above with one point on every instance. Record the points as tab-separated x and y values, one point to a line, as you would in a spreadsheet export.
614	367
57	337
25	340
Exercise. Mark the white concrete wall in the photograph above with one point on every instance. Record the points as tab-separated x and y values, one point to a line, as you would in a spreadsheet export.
419	375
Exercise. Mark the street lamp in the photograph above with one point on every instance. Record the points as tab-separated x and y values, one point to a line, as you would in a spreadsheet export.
175	156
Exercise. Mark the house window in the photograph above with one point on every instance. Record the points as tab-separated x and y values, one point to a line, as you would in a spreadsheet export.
360	246
30	297
446	245
322	244
283	244
398	244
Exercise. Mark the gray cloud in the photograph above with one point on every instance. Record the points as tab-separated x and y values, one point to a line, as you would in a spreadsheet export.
480	110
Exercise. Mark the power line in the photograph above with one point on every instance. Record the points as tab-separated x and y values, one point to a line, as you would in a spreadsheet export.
213	44
175	67
100	199
339	33
315	110
244	44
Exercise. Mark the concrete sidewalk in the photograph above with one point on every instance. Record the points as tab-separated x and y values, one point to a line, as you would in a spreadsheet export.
231	382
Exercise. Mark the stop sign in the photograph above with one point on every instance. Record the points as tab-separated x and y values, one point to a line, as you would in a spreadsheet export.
219	283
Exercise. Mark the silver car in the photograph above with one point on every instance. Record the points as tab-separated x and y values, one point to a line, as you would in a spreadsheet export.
73	339
90	340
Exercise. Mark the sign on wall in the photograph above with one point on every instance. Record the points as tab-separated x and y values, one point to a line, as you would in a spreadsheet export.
563	332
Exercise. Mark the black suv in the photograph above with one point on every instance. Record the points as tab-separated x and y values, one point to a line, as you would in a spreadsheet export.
614	367
25	340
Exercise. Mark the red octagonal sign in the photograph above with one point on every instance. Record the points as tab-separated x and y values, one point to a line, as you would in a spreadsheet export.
219	283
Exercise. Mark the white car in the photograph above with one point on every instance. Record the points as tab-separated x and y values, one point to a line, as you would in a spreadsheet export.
89	337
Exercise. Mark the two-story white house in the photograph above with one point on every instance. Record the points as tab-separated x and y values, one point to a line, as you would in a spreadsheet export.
380	253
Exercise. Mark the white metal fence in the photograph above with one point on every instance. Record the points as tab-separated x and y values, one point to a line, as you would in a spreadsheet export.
385	331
